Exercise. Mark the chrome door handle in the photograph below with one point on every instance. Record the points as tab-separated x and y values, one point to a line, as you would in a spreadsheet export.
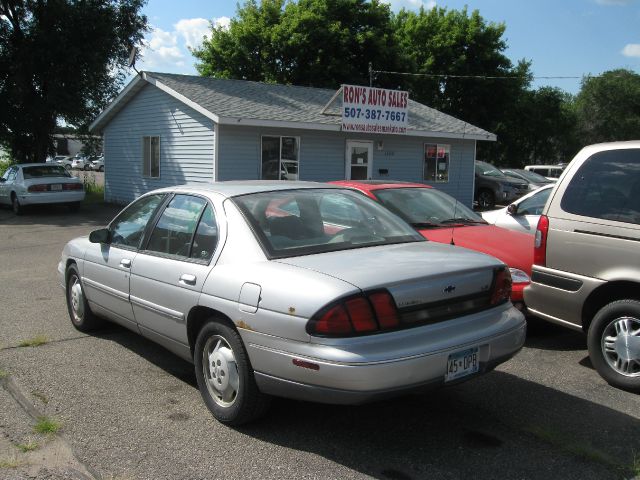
125	263
188	279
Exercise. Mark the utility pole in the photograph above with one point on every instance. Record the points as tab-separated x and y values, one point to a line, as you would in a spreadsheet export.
370	74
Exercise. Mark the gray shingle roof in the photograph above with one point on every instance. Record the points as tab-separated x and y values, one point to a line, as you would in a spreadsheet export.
287	103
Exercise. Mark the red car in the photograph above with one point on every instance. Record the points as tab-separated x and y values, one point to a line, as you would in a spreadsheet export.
439	217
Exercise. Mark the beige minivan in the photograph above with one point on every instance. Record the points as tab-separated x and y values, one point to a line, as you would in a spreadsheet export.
586	272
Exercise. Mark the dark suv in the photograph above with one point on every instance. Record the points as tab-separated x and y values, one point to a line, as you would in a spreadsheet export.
492	186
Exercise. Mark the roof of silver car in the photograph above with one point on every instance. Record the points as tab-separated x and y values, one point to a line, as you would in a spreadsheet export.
235	188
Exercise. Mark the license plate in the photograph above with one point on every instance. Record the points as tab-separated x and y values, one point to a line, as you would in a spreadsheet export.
56	186
463	363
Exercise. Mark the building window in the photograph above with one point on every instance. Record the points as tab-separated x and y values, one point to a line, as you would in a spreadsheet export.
436	162
151	157
280	156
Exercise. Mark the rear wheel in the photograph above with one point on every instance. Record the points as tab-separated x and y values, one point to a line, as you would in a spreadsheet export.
486	199
15	205
614	344
225	377
80	313
101	169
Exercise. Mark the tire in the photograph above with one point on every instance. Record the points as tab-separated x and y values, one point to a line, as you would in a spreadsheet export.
82	318
614	344
486	199
101	169
15	205
225	377
87	167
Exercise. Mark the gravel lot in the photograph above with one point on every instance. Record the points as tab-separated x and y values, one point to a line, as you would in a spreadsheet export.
131	410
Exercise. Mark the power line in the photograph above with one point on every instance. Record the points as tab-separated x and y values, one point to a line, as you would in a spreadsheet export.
483	77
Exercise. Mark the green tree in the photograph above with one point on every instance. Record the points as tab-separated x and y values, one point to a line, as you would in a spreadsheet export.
319	43
608	107
60	60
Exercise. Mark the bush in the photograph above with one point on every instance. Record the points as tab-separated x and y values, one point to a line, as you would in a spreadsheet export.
5	163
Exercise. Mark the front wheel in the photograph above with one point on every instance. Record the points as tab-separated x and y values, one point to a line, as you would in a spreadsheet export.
15	205
225	377
486	199
614	344
81	315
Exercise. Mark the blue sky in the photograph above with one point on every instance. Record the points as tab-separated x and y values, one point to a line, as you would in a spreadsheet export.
560	37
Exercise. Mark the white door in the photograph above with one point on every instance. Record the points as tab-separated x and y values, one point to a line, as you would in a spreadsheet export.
359	157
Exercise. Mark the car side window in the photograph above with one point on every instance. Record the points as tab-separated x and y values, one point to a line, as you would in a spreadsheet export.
206	237
534	204
10	174
176	227
128	228
606	186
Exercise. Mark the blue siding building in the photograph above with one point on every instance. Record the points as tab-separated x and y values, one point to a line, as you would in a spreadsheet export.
166	129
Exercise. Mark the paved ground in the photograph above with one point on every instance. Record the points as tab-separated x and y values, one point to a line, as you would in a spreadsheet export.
131	410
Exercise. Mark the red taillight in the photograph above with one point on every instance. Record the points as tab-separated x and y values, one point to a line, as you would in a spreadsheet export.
385	309
37	188
356	315
540	242
334	321
501	286
361	315
72	186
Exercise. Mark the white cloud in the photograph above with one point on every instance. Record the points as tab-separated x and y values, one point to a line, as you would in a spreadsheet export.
223	22
631	50
193	30
161	51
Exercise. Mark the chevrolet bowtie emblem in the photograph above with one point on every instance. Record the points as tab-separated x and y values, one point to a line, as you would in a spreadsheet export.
449	289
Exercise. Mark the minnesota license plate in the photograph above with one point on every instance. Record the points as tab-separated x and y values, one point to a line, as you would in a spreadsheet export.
463	363
56	186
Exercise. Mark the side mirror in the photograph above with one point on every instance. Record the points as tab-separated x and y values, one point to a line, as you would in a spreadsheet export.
100	236
512	209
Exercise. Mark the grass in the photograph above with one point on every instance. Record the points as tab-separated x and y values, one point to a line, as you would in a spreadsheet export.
40	396
47	426
94	197
10	463
34	342
27	447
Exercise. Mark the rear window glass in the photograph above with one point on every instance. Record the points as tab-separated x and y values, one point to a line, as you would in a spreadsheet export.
302	222
45	171
606	186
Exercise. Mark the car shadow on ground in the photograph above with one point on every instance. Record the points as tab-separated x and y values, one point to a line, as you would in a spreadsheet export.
495	426
90	214
543	335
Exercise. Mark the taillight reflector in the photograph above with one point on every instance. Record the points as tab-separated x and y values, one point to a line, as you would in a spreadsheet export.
385	309
540	242
72	186
37	188
501	286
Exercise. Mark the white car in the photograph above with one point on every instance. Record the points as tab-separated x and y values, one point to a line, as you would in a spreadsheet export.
38	183
80	162
523	214
66	162
97	165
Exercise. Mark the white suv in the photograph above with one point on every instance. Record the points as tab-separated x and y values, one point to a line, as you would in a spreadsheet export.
586	272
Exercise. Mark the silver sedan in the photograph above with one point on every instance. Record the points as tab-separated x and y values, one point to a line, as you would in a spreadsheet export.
292	289
39	183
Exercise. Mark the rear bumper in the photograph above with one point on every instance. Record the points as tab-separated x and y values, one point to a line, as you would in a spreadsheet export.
56	197
559	296
405	361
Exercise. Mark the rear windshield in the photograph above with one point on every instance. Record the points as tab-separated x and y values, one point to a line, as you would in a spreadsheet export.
302	222
44	171
424	207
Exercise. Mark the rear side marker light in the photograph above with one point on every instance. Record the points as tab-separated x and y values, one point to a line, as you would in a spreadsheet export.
304	364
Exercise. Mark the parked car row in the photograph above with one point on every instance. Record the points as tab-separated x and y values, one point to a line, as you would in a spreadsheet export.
79	162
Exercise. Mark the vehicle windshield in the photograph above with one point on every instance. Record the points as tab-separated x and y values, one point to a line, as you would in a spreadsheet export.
426	207
532	176
45	171
486	169
308	221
